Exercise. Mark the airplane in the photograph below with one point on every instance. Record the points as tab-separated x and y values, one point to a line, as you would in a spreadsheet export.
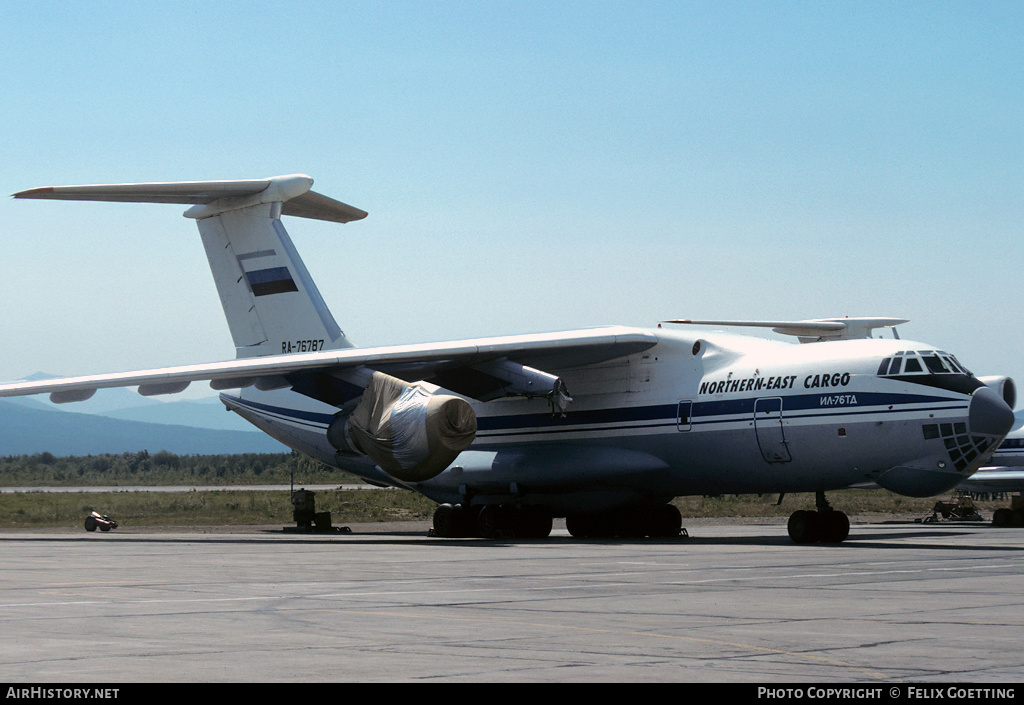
1004	474
602	426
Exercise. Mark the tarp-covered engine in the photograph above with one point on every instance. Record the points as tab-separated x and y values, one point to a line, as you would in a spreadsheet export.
410	433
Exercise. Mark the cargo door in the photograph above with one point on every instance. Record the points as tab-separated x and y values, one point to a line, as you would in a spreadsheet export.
771	437
683	412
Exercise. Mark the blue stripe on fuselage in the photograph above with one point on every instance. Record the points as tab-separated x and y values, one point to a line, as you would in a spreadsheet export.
308	418
710	412
702	414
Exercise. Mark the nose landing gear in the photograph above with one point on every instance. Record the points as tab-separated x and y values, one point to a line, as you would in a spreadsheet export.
826	525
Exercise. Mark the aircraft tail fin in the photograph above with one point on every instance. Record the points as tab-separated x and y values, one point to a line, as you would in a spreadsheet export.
270	301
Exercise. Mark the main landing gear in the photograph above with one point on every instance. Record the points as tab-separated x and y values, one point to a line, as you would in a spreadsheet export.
1012	515
508	521
826	525
490	521
660	521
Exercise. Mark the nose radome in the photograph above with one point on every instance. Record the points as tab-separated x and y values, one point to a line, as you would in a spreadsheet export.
989	414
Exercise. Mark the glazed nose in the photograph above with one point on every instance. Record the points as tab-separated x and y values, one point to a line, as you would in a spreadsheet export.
989	414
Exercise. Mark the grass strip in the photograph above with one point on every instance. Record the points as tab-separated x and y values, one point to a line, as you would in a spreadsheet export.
231	507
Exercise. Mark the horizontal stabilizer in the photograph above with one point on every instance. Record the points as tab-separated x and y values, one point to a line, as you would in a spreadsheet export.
213	197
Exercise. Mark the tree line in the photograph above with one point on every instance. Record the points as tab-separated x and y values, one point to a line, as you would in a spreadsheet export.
163	468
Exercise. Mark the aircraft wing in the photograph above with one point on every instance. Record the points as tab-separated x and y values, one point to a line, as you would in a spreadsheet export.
414	362
995	479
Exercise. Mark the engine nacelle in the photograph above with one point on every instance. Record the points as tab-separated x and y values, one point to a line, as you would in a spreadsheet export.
1004	387
410	433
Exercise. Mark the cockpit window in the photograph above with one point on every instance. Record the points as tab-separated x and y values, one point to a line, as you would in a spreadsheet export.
935	364
932	368
919	362
954	364
912	365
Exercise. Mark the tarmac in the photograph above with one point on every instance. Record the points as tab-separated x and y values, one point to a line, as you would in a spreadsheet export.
896	603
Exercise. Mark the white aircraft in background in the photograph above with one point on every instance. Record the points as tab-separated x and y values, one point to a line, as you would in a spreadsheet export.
1005	473
601	426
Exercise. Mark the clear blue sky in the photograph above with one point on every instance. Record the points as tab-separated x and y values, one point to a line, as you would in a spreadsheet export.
527	166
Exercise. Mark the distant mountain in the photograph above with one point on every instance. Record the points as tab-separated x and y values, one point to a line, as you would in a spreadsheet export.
202	413
102	402
29	426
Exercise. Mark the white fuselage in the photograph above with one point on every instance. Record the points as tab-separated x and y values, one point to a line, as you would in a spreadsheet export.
695	414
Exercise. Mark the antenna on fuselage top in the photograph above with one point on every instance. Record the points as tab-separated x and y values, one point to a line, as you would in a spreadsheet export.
815	330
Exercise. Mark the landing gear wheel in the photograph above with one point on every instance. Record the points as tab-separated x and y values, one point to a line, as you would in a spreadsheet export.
803	526
532	524
450	521
666	521
490	521
827	526
90	524
1002	517
833	526
658	521
581	527
628	525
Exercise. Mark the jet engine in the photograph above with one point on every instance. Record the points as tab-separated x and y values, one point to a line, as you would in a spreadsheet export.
1004	387
410	433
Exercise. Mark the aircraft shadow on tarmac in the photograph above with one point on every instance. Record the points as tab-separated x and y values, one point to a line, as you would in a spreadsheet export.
876	537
